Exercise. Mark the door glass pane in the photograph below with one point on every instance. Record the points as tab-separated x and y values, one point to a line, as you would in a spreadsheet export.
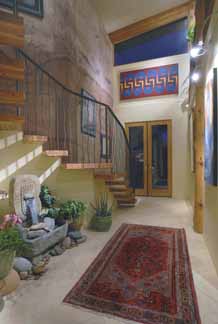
136	141
159	157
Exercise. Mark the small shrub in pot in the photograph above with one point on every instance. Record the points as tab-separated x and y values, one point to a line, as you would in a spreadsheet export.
102	219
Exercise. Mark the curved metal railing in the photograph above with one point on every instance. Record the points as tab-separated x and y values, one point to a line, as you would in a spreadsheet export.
88	129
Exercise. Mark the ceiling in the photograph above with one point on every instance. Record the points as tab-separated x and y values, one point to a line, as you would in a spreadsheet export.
120	13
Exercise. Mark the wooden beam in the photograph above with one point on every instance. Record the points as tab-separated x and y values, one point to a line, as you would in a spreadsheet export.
14	70
11	30
11	118
199	161
151	23
12	98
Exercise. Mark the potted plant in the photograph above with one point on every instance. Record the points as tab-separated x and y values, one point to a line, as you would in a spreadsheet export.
46	197
11	243
102	220
73	212
48	201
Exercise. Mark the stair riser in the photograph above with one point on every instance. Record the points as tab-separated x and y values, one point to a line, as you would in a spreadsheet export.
10	140
13	167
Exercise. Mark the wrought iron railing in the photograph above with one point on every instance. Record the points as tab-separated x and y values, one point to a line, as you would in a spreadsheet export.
86	128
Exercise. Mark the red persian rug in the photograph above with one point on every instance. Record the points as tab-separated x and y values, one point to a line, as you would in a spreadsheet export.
143	274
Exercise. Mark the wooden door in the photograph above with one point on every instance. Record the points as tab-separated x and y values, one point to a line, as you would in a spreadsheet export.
137	135
160	158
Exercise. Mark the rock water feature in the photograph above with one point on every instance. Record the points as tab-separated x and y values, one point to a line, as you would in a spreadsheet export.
39	233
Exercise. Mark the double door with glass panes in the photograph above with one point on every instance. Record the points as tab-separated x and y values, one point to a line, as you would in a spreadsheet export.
151	161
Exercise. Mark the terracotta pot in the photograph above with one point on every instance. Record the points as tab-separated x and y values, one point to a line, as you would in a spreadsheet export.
76	224
10	283
6	263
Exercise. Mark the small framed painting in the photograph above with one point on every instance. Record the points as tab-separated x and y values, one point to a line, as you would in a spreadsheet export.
88	114
211	130
106	147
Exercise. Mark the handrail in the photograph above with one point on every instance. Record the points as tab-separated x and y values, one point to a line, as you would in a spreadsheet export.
74	92
54	110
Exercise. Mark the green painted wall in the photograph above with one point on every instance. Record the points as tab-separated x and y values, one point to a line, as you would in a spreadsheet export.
77	184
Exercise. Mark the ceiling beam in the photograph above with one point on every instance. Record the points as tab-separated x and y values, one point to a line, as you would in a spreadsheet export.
151	23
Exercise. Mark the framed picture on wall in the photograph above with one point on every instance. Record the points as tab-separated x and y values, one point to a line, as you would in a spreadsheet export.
106	147
211	130
33	7
88	114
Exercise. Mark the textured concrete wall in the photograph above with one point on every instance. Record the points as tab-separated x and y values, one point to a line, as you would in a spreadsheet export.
70	41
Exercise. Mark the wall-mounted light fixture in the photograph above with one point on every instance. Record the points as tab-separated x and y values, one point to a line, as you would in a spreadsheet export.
195	76
198	50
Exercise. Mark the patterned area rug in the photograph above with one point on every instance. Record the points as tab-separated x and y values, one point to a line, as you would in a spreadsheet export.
143	274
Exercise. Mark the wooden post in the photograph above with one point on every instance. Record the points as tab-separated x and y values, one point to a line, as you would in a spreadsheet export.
199	161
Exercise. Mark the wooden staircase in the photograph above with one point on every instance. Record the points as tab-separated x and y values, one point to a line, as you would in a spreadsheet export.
118	185
11	34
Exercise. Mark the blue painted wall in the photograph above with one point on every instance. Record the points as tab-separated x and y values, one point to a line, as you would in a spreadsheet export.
165	41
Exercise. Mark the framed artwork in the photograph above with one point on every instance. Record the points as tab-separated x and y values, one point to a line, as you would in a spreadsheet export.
88	115
211	131
150	82
106	144
33	7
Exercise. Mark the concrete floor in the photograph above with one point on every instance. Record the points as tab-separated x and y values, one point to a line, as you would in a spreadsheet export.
40	302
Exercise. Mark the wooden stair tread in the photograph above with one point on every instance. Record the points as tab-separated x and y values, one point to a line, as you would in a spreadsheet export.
11	30
109	177
124	195
77	166
14	70
116	182
37	166
126	201
11	98
118	189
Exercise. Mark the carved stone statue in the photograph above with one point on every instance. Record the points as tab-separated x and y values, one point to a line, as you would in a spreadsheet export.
39	233
25	188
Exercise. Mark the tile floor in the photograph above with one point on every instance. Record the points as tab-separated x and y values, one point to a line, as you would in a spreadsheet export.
40	302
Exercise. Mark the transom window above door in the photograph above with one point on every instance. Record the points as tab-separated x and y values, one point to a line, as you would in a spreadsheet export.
33	7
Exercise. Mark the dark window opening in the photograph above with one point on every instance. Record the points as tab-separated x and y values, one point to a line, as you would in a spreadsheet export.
33	7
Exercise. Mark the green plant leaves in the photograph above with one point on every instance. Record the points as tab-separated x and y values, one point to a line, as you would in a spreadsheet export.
46	197
10	240
101	207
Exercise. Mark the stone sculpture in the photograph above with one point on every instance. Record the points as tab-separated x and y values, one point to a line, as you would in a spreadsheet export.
38	232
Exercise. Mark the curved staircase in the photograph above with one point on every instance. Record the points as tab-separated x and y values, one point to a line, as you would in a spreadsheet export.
22	154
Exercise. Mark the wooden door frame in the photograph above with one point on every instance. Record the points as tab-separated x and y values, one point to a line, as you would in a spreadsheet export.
144	191
160	192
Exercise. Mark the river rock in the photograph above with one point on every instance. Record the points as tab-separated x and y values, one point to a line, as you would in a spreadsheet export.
24	275
82	239
50	223
2	303
66	244
75	235
22	265
58	250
